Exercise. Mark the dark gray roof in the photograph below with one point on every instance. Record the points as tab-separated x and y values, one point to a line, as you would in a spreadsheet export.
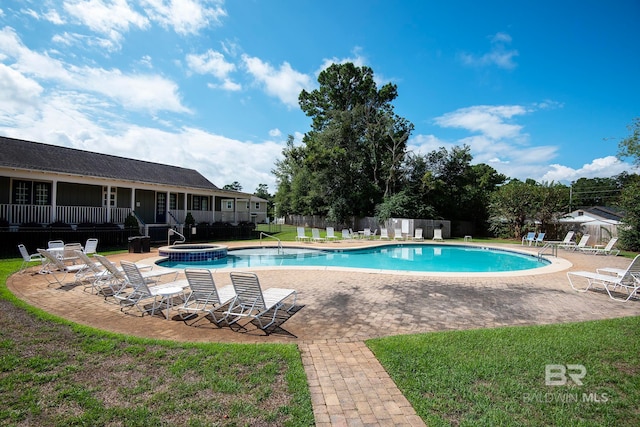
20	154
605	212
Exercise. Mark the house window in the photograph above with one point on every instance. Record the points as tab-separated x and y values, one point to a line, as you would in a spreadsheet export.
200	203
112	197
28	193
22	192
41	194
173	201
229	205
257	206
247	205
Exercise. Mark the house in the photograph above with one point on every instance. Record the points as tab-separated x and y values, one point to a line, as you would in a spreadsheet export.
41	183
598	221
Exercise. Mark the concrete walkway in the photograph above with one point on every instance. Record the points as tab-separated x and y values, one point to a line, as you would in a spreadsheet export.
338	310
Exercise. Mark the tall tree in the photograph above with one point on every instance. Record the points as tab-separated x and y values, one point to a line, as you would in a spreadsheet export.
234	186
354	151
630	146
512	204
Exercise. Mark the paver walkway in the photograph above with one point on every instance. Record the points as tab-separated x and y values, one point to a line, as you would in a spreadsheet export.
339	310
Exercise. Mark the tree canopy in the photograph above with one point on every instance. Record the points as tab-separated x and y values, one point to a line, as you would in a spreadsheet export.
353	153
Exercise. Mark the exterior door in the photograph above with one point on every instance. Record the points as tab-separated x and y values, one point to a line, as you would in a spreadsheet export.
161	208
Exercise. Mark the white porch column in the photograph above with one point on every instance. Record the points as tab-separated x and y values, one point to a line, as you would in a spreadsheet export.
185	207
54	200
108	202
133	199
235	210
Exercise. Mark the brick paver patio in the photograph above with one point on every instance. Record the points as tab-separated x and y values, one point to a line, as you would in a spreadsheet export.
339	309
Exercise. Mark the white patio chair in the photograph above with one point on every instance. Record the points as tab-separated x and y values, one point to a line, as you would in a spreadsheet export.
95	273
254	303
142	292
384	234
437	234
28	258
346	235
315	235
582	243
418	234
331	234
56	268
607	250
54	244
628	281
91	246
204	297
567	242
301	236
397	234
69	252
366	233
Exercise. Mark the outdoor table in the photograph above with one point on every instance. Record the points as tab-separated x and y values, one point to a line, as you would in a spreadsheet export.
167	296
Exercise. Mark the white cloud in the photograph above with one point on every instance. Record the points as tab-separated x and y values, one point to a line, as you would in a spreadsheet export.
146	92
275	133
499	55
210	62
486	119
185	17
110	18
17	92
601	167
284	83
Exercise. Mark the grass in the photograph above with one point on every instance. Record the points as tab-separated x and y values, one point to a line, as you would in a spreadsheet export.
497	376
54	373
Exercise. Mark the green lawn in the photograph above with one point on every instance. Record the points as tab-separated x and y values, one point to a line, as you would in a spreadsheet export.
497	376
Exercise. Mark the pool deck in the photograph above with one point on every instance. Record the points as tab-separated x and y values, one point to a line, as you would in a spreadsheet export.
338	309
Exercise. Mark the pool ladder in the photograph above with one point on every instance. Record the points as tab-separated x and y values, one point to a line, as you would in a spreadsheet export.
280	249
552	245
170	232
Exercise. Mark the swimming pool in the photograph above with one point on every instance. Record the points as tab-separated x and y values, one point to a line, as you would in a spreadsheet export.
398	257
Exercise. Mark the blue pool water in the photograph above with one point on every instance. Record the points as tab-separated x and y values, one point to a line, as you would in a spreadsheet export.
420	257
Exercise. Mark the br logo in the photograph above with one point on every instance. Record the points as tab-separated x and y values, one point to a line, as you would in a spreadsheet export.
557	374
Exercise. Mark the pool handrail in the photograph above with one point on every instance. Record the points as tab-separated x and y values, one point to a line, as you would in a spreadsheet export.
280	249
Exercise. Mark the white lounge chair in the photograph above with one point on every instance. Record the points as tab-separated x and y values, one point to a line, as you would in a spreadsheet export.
384	234
91	246
28	258
56	268
254	303
142	292
301	236
331	234
607	250
315	235
69	252
346	235
116	280
204	296
417	235
95	273
529	238
55	244
628	281
397	234
366	233
437	234
567	242
582	243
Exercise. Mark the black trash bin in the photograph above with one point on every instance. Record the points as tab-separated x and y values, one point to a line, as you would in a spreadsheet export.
135	245
145	244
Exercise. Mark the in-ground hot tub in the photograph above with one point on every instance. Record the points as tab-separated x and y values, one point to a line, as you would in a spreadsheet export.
193	252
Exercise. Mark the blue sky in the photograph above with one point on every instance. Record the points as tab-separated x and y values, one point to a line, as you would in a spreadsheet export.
537	89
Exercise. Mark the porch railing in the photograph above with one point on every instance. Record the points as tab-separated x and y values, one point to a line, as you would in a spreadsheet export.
22	214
